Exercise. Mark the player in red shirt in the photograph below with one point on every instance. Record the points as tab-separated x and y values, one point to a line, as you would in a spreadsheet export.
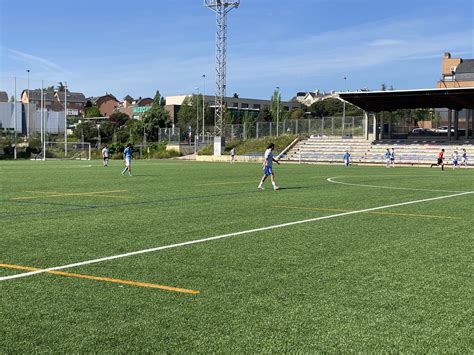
440	160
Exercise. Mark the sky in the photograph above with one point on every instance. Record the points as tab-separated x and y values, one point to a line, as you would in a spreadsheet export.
138	47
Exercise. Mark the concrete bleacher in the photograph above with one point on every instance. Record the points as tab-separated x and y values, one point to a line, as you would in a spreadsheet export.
331	150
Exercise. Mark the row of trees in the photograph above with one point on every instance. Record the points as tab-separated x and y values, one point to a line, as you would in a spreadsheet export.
120	128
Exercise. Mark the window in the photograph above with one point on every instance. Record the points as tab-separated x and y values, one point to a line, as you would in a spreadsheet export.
235	104
266	107
286	108
245	105
256	106
448	78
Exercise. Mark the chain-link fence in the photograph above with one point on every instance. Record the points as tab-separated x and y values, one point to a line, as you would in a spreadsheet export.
325	126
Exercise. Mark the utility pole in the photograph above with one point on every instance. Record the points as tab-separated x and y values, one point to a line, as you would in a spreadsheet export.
221	8
65	119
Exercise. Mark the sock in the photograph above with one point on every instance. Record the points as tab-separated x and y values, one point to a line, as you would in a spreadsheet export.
273	183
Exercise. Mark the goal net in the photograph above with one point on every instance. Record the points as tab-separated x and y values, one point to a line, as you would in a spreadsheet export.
69	150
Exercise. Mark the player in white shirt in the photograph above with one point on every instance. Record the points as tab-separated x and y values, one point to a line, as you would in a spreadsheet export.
232	156
454	159
105	155
267	167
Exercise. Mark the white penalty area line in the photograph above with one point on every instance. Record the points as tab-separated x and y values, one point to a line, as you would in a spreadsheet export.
333	180
196	241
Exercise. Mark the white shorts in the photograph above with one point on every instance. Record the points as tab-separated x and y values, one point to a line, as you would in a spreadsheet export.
128	161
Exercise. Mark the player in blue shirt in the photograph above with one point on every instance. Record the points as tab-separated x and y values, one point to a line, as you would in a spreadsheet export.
267	167
346	158
392	158
127	158
387	158
464	157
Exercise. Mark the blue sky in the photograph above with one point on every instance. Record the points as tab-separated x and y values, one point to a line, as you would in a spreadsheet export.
135	47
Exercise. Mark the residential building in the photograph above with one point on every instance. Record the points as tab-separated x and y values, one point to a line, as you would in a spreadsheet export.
309	98
456	72
107	104
50	102
76	102
135	108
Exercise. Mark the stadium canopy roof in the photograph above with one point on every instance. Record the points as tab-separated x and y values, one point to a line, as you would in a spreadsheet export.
376	101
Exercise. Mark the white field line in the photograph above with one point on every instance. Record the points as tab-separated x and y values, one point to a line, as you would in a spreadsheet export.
94	261
332	179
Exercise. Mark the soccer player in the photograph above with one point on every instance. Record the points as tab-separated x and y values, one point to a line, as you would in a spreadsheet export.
267	167
454	159
232	156
105	155
346	158
387	158
464	157
127	158
440	160
392	158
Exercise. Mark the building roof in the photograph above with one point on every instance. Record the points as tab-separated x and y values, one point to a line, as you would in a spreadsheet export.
71	96
466	66
129	99
98	100
376	101
36	94
3	96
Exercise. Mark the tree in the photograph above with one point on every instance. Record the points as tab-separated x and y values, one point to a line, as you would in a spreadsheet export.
86	130
265	115
92	111
157	117
333	107
296	114
118	119
188	113
276	108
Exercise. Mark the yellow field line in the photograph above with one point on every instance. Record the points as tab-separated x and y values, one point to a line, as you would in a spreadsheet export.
379	213
104	279
60	194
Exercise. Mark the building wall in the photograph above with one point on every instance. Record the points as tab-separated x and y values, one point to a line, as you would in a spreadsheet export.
449	63
107	107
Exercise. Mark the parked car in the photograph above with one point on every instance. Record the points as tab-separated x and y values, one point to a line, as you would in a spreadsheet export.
443	129
421	131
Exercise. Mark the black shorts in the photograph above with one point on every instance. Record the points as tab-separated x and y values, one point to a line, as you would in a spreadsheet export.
440	161
105	158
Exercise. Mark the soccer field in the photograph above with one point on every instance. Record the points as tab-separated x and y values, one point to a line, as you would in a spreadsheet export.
363	259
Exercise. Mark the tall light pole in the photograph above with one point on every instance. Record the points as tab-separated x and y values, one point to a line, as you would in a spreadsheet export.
28	106
65	119
14	124
278	106
197	121
44	124
221	8
344	102
42	113
203	104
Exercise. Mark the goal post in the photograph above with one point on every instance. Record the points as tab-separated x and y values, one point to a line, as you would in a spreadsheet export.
66	151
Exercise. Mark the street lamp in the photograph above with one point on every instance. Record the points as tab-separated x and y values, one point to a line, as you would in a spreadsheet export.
278	106
28	106
196	135
65	119
344	103
203	104
43	118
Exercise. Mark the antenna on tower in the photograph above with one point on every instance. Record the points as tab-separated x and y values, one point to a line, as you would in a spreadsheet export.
221	8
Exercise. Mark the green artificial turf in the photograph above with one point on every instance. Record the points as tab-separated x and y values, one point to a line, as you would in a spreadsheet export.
399	280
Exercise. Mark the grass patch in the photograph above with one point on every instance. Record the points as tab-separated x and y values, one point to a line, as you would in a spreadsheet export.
367	282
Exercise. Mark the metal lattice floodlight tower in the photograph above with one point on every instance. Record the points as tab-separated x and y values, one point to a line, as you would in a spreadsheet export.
221	8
